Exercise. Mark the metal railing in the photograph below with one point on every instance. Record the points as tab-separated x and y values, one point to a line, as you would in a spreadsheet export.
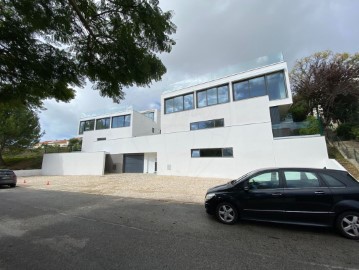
350	153
59	149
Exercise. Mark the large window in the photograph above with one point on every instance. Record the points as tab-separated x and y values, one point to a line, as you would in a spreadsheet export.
299	179
212	152
212	96
207	124
103	123
266	180
179	103
272	85
121	121
86	126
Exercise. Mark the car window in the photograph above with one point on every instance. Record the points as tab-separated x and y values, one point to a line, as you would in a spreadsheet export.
331	181
301	179
266	180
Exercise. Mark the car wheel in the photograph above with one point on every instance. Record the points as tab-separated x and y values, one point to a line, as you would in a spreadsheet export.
12	185
226	213
348	225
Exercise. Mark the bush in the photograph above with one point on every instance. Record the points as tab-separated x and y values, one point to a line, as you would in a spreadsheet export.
299	111
312	128
348	131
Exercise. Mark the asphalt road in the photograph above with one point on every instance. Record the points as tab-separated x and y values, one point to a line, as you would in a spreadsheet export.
41	229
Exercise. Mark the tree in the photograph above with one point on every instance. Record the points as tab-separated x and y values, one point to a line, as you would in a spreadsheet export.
75	144
49	46
328	84
19	128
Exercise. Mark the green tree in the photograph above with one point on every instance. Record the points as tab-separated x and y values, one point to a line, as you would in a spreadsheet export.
75	144
19	128
328	84
47	47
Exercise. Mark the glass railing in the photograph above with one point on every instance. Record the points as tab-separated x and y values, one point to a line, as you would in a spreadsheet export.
228	71
311	126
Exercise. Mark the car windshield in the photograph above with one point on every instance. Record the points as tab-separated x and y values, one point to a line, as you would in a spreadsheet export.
235	181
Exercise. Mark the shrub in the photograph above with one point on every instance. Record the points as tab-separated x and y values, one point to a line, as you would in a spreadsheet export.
312	128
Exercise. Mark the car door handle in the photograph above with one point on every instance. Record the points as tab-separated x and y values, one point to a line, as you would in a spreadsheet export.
319	193
277	194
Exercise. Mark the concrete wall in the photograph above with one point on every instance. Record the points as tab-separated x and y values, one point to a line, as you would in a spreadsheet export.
300	151
74	164
142	125
25	173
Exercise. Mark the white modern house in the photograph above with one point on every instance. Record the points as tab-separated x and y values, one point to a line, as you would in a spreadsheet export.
224	127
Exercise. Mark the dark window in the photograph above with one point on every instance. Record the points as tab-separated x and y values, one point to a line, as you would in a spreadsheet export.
241	90
201	99
272	85
213	96
153	130
188	102
207	124
299	179
101	139
331	181
276	86
266	180
86	126
179	103
103	123
121	121
169	105
257	87
212	152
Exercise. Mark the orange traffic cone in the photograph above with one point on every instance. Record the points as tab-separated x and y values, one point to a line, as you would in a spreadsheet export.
24	181
48	183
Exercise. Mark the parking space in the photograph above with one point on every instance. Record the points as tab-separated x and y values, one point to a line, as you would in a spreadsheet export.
132	185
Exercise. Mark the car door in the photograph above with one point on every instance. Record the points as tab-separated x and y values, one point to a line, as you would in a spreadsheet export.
307	198
262	196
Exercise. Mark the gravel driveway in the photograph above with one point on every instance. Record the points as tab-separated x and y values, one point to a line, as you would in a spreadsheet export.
145	186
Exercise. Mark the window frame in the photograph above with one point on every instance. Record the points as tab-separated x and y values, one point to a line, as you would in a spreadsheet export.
104	118
85	121
124	120
183	105
195	150
265	83
321	183
210	88
198	123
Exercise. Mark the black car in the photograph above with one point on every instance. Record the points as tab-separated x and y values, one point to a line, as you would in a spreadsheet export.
318	197
8	177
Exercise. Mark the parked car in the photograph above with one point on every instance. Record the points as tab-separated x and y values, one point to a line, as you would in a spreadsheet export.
317	197
8	177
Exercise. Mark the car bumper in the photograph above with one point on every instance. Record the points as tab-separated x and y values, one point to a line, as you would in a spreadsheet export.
210	207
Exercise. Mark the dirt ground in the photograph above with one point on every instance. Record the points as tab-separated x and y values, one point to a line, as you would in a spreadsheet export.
145	186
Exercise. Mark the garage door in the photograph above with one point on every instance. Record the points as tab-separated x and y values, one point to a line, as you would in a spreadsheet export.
133	163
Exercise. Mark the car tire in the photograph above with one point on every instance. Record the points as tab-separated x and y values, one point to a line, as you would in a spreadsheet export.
227	213
347	224
12	185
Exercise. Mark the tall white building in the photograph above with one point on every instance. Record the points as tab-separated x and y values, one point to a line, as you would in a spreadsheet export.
224	127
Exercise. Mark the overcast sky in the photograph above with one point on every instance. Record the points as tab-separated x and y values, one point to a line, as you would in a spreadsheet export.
214	34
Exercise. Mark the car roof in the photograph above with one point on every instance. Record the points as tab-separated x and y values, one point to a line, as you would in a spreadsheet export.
298	168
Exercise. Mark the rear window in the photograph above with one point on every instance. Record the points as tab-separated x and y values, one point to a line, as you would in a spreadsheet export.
331	181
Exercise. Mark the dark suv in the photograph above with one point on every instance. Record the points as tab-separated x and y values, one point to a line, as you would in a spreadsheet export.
318	197
8	177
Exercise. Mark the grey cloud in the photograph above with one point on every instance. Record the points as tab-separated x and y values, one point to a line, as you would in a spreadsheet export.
212	35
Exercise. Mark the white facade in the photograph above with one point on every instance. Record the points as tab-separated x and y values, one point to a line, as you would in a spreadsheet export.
242	142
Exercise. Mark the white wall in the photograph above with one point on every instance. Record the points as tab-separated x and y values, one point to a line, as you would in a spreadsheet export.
300	151
142	125
25	173
74	164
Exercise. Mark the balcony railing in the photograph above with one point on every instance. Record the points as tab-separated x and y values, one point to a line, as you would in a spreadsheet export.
289	128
